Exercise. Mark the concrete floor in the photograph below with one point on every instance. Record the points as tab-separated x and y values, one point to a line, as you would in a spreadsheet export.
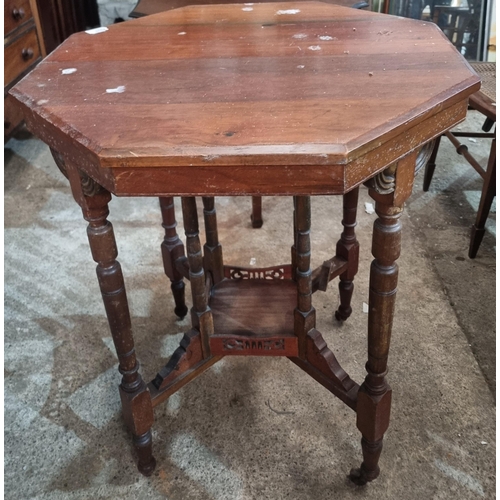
223	436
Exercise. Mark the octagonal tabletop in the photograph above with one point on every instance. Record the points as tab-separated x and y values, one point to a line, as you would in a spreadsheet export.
300	85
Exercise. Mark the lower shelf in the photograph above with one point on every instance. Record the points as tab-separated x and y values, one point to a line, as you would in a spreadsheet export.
254	317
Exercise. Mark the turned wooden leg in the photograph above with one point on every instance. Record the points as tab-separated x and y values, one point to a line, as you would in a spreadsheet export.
136	401
348	249
143	445
171	250
201	313
487	195
212	250
431	165
135	396
256	216
374	396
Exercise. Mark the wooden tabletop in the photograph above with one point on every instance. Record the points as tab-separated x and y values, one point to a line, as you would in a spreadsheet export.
148	7
244	84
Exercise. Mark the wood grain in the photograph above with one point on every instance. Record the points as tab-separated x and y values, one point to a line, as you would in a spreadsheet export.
280	94
148	7
262	308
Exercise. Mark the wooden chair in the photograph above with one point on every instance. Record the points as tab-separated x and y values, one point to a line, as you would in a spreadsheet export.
148	7
484	102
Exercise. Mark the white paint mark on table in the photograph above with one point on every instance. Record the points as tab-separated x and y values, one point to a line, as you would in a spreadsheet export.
210	157
327	37
314	47
95	31
182	33
68	71
460	477
288	11
369	208
300	36
301	66
247	9
118	90
42	101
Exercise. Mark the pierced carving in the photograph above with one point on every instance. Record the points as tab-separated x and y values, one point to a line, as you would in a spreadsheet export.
423	155
59	162
384	182
89	186
244	345
269	273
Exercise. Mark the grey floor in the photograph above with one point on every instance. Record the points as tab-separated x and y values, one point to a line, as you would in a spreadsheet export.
224	436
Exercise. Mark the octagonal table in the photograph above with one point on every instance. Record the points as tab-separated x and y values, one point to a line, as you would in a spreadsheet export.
293	99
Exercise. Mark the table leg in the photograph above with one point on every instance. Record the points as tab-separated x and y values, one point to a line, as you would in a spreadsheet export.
135	397
374	396
348	249
171	250
256	216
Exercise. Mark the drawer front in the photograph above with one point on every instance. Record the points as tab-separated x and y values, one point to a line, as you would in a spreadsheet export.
12	115
20	55
16	12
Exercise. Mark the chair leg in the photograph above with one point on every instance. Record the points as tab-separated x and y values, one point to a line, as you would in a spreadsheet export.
431	165
487	195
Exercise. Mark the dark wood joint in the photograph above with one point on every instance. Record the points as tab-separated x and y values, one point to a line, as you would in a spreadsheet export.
137	410
373	413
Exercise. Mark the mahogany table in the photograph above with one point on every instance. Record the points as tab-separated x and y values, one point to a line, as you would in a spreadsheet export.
294	99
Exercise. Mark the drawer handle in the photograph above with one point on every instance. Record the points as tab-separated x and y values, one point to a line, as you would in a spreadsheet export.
18	14
27	54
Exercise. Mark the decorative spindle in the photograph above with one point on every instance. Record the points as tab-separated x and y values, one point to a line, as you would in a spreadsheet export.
212	250
172	249
348	249
202	315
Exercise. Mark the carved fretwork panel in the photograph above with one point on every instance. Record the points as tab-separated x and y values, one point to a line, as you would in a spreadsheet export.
268	273
245	345
251	345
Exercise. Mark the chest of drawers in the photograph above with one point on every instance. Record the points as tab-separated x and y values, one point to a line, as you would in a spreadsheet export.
23	49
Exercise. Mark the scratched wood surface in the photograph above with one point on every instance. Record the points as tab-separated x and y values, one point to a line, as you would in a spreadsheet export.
268	84
254	307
